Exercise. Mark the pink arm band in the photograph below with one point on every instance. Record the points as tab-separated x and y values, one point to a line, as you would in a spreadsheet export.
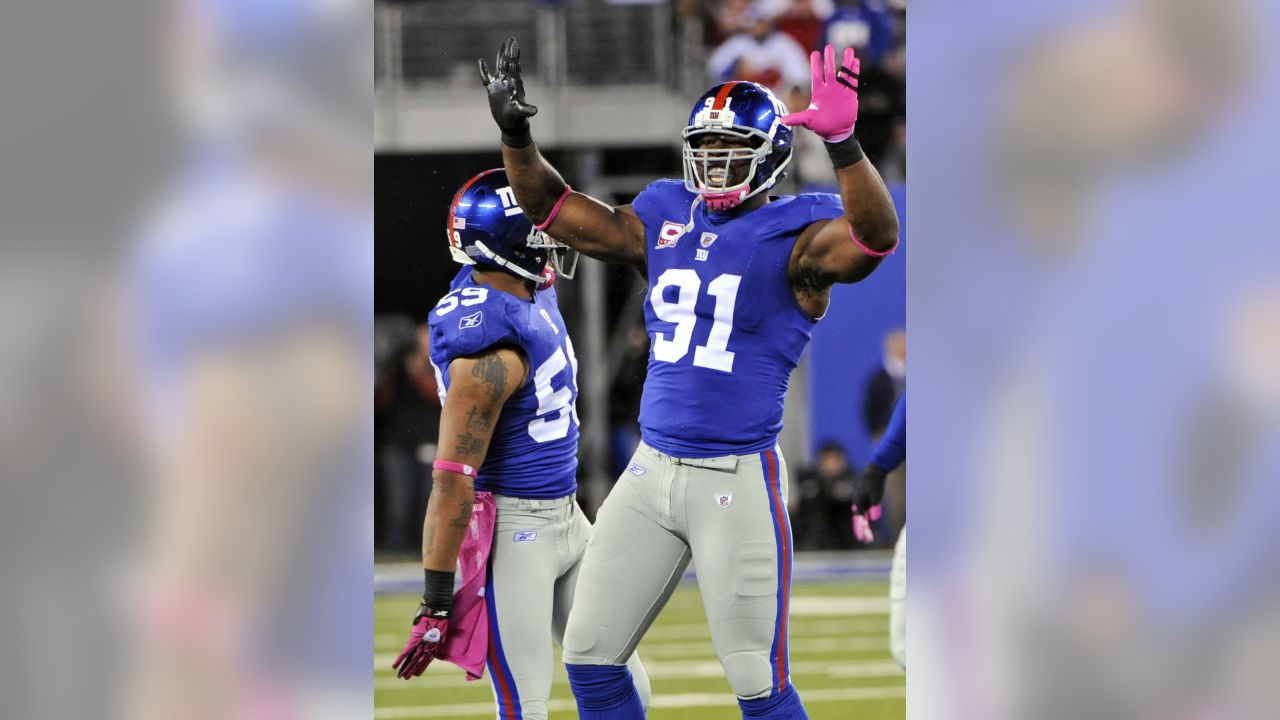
555	210
869	251
450	466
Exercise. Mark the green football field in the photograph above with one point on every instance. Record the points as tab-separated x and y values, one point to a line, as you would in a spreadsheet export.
840	662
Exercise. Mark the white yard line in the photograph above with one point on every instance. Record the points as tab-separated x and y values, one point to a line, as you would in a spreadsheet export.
383	660
682	700
696	669
686	632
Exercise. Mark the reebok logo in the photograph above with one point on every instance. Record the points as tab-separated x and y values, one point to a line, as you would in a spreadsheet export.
470	321
525	536
636	469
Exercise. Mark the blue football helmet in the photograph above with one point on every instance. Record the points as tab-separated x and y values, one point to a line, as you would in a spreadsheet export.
743	110
487	227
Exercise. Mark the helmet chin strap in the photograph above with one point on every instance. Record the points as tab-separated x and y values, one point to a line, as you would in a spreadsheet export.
505	265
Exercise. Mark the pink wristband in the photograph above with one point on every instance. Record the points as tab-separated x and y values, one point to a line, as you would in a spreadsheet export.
450	466
869	251
555	209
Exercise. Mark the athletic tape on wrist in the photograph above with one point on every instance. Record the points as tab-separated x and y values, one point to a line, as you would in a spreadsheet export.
555	209
450	466
869	251
438	595
844	153
517	141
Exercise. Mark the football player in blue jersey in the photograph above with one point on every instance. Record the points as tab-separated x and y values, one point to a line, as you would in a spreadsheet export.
868	490
509	443
737	280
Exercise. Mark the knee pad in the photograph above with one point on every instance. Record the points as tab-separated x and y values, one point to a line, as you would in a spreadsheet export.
783	706
749	674
579	640
605	692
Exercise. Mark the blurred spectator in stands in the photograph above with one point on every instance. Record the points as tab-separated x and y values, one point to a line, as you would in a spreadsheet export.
760	53
803	20
624	400
726	18
893	164
886	383
822	519
882	102
407	422
867	26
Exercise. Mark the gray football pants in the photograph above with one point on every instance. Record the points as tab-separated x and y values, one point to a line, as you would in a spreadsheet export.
727	514
537	552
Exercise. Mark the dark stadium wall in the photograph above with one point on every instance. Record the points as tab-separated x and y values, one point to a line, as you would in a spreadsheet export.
847	348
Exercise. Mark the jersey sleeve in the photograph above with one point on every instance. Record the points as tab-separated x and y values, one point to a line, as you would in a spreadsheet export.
468	330
823	206
658	198
793	215
892	449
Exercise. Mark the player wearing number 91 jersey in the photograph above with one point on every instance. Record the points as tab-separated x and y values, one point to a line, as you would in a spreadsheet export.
502	505
737	278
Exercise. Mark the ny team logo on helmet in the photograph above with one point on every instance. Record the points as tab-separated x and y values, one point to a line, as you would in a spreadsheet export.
487	227
743	110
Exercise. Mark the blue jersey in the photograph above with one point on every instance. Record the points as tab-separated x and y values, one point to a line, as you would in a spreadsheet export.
892	449
725	328
534	450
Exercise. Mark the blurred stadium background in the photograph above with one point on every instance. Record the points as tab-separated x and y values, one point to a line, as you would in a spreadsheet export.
614	82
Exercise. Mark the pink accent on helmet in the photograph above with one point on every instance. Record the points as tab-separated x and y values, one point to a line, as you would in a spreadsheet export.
722	201
548	278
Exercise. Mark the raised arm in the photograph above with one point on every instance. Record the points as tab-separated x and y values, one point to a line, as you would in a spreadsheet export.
612	234
848	248
479	386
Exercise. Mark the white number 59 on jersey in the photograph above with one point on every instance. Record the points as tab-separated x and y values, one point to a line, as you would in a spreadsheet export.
556	406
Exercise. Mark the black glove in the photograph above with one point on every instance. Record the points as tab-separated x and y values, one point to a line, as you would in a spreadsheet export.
868	489
506	96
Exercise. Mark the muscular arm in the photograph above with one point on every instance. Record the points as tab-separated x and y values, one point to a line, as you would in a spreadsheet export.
478	388
825	254
611	234
584	223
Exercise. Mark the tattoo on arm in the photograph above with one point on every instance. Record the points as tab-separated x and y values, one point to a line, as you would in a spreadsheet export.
478	421
463	518
492	371
469	444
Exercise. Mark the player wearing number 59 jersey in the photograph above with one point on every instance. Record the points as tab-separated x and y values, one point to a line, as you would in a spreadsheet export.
736	281
502	505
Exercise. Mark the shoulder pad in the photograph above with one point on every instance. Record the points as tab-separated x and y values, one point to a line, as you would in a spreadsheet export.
470	320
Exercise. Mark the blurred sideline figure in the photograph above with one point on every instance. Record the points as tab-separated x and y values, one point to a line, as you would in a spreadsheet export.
738	280
822	512
506	471
407	403
249	323
867	493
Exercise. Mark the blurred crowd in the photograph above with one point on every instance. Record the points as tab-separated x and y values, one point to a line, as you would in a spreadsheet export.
769	41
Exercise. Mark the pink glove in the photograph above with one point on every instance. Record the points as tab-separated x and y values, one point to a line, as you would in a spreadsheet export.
862	523
833	107
425	640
